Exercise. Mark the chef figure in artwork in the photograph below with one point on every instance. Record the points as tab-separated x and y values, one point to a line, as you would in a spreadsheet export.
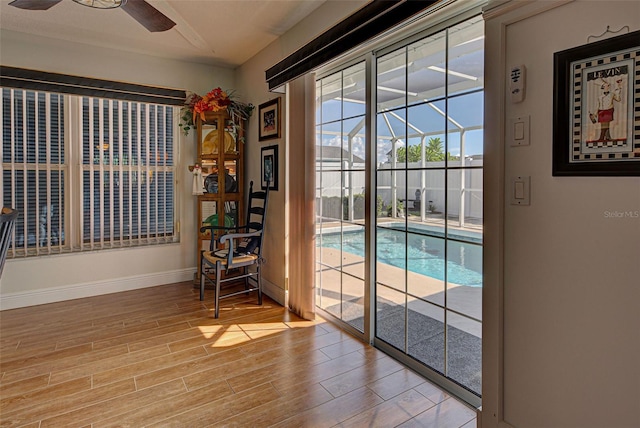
197	180
606	107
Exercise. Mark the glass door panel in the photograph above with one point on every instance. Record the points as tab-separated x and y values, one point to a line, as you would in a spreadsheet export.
429	194
340	200
354	101
352	250
391	198
391	258
426	268
330	290
426	333
391	82
464	351
329	98
424	235
464	278
426	61
352	301
390	316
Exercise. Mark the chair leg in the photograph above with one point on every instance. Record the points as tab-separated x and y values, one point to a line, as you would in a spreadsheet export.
201	277
259	286
245	271
218	274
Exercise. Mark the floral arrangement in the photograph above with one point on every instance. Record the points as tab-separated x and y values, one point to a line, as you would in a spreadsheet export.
215	100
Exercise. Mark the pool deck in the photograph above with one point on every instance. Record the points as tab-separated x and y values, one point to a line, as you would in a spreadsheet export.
470	225
463	299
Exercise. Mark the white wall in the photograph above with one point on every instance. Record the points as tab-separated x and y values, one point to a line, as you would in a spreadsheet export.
563	290
38	280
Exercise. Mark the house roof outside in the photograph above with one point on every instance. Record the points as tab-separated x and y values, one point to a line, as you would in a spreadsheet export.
334	154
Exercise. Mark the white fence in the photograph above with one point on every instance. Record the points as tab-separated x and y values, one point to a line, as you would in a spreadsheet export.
464	189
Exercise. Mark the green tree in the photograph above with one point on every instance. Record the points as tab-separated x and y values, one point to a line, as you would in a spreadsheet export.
434	151
412	151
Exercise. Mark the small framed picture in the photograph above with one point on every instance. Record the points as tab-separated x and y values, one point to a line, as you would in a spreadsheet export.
596	108
269	170
269	117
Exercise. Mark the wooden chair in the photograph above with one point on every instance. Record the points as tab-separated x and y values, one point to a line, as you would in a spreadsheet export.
241	257
7	221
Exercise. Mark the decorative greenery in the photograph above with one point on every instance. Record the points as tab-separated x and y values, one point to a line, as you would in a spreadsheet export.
399	209
379	206
214	100
434	151
358	207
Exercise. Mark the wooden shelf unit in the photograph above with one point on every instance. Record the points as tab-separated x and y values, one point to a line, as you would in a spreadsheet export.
220	154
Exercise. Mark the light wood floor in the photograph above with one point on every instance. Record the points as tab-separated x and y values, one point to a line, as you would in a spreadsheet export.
157	357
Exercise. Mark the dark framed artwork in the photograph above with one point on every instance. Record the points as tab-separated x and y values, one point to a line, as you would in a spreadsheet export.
269	117
596	108
269	168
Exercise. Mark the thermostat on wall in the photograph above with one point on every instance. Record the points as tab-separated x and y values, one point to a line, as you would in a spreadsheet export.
517	83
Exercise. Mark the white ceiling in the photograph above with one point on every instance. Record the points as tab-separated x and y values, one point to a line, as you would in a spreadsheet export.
219	32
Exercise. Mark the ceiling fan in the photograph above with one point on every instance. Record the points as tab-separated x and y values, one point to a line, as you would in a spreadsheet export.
150	17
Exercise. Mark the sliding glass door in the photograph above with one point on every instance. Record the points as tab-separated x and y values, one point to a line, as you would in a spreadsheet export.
425	223
429	187
340	201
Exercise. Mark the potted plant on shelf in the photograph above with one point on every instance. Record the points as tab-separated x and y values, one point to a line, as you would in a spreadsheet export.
214	100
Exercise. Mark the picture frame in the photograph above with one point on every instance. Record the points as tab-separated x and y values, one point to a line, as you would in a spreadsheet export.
596	108
269	167
269	120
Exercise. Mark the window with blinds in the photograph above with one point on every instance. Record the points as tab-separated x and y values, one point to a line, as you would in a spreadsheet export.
86	173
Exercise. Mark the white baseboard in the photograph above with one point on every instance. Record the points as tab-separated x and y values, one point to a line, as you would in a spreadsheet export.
77	291
275	292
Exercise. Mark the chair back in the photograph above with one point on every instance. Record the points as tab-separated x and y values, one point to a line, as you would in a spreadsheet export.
256	213
7	221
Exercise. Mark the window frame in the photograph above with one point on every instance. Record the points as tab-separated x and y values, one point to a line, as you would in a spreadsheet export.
73	197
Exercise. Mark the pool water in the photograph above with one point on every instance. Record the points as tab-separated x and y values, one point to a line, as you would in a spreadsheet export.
425	254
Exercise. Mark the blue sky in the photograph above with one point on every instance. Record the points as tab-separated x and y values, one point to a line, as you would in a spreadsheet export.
464	111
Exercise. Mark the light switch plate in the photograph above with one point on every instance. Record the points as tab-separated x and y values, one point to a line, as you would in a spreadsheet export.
518	131
520	190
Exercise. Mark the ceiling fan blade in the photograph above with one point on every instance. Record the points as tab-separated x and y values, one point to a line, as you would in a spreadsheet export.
34	4
150	17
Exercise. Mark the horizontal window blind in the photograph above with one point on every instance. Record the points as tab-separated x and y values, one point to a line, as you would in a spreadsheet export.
107	181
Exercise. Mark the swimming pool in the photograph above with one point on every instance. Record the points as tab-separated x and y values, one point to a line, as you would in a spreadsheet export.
425	254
